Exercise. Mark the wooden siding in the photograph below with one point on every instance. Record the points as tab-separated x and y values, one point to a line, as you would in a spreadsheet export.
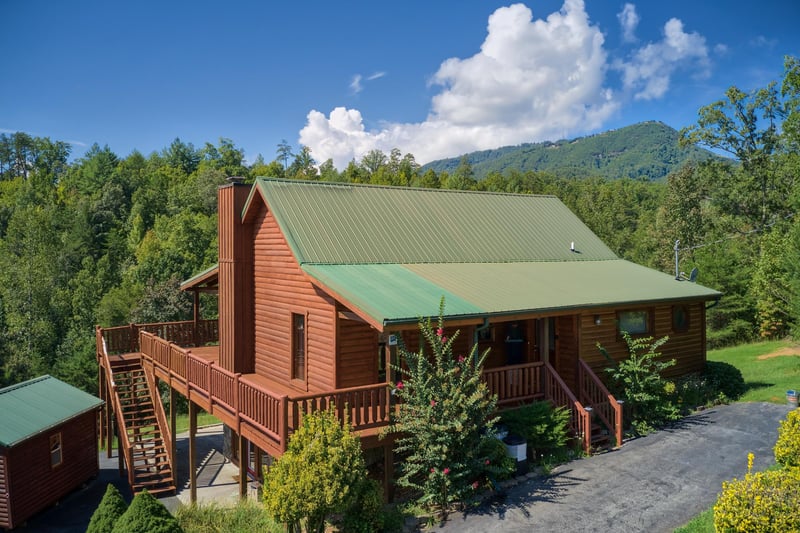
281	288
5	518
462	345
687	348
357	350
235	281
33	485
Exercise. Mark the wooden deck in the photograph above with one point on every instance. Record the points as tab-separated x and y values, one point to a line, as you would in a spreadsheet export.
266	412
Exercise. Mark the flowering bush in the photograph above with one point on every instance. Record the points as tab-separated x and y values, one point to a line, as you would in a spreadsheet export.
761	502
787	448
443	419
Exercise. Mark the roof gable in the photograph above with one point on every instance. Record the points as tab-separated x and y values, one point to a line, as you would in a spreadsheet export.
36	405
334	223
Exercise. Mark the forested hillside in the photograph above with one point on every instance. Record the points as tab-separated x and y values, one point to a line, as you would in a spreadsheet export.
106	239
648	150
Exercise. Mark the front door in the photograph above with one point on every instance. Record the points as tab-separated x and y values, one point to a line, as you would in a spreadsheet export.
566	350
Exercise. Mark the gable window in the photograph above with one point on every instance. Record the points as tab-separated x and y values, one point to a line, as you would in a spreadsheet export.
635	322
298	346
55	450
680	318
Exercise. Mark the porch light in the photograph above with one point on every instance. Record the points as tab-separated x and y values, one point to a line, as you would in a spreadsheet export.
597	320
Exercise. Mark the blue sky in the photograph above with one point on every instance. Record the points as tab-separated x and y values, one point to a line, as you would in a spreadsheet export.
436	79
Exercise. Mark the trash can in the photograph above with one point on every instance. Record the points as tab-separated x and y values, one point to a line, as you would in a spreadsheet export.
791	397
517	449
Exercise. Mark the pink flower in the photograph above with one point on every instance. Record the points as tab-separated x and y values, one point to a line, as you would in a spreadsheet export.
487	462
433	403
400	385
460	358
439	332
433	470
475	485
446	471
444	340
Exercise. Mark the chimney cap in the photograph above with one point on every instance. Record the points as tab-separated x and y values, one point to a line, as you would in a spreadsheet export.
235	179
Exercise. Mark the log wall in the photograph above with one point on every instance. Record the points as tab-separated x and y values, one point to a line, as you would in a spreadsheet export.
32	484
281	288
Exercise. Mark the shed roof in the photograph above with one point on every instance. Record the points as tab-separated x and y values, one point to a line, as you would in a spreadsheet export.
36	405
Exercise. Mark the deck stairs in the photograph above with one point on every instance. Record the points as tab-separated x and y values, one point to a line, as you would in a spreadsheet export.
150	460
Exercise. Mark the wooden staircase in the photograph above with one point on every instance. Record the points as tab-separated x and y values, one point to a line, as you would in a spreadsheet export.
145	435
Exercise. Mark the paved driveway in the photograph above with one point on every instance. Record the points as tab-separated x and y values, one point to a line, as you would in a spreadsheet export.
654	483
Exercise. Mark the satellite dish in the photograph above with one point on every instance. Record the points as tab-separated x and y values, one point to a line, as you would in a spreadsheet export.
693	274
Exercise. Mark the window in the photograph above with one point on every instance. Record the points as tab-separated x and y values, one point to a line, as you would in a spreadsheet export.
637	322
298	346
680	318
55	450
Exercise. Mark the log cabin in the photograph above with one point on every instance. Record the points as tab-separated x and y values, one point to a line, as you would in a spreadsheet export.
318	282
48	445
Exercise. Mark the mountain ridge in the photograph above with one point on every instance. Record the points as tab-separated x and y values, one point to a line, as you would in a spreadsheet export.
644	150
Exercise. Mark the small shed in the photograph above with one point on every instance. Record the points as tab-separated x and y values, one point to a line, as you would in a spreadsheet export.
48	445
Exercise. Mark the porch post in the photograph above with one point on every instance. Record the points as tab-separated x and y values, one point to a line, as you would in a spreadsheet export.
192	452
109	426
196	317
244	461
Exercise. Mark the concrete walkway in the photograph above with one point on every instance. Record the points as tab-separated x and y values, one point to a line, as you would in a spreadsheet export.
654	483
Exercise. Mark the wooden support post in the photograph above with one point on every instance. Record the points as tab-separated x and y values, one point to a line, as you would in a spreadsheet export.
244	461
196	317
120	462
192	453
109	426
101	430
173	425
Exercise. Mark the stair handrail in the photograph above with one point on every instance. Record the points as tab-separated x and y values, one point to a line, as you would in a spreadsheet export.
580	420
124	443
161	418
602	401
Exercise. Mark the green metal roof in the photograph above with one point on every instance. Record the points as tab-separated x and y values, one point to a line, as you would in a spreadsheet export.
34	406
335	223
393	252
403	293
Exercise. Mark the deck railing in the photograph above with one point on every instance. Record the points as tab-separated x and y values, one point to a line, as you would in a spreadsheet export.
593	392
515	384
245	404
558	392
125	339
122	435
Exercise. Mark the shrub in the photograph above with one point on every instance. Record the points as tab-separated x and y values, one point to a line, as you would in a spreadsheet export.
365	513
724	378
761	502
545	428
444	415
498	464
787	448
111	507
317	475
638	381
146	515
247	516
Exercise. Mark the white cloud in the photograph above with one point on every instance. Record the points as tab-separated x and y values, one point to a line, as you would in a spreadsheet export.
628	20
355	84
376	75
532	80
649	72
763	42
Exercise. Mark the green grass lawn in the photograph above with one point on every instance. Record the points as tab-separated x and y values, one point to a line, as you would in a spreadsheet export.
767	374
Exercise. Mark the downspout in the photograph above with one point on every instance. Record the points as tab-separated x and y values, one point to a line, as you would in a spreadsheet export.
713	304
478	330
